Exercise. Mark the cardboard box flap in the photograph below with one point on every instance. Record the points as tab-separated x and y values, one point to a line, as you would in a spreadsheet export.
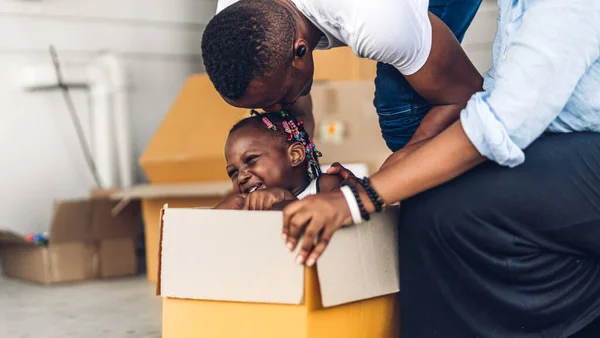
208	189
105	225
71	221
366	255
239	256
209	254
91	219
8	237
188	145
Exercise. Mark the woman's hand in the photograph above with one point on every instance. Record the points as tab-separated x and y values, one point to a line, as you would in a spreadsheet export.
264	199
234	201
316	216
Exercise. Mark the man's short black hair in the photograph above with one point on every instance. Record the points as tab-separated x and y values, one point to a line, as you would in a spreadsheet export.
249	39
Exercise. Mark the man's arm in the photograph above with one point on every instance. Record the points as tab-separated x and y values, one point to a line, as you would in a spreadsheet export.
447	80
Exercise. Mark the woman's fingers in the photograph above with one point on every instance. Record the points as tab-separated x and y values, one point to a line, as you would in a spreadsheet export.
296	217
310	235
322	244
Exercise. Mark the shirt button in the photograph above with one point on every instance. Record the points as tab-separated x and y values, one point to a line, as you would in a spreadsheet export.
504	57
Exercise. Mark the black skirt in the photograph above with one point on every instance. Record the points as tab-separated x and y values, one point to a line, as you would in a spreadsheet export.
501	252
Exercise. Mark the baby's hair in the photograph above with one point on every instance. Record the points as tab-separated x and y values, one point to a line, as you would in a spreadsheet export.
286	128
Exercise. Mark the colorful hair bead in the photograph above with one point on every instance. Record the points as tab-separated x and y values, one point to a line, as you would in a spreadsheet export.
268	123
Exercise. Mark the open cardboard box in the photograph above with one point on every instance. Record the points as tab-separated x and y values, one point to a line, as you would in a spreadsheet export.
227	273
85	242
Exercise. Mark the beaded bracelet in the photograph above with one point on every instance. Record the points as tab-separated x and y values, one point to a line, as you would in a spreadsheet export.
373	195
363	212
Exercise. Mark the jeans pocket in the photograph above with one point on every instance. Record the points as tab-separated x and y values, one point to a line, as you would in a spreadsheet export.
398	127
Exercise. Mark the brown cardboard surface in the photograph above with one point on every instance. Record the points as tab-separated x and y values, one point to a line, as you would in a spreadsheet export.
9	237
73	261
226	247
91	219
86	242
188	145
341	64
350	103
57	263
117	257
71	221
27	262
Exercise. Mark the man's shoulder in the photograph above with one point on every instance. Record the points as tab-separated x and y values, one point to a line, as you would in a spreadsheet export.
222	4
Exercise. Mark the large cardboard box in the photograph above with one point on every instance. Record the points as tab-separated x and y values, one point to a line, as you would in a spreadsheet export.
341	64
153	197
228	274
188	145
85	242
347	125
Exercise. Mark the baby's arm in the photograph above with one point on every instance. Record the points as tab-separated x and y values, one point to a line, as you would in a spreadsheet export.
232	202
329	182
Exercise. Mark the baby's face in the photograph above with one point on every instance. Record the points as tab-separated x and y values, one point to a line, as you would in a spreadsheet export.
256	161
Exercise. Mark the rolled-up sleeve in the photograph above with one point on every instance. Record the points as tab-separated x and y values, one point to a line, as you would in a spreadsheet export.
534	76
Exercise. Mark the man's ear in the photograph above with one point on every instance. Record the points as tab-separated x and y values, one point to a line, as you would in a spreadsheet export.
302	55
296	154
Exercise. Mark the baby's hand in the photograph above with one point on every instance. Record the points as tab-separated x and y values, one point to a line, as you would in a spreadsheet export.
264	199
233	201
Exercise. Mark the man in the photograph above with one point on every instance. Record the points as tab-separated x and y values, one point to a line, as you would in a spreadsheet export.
511	247
413	47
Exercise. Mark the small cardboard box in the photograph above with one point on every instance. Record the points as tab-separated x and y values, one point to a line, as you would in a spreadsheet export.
85	242
154	196
341	64
227	273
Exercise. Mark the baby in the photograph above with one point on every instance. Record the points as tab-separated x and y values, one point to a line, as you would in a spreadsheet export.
271	161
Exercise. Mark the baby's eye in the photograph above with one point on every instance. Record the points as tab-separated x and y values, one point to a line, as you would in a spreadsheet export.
232	174
251	158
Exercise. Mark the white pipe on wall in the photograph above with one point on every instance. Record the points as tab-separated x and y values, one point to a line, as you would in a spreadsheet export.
111	139
103	146
120	116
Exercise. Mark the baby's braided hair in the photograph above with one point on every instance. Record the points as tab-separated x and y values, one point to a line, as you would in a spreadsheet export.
285	127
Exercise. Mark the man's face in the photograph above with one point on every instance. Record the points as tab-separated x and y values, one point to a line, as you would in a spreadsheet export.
276	92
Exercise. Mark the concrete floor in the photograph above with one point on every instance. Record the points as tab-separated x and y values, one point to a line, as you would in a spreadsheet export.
112	308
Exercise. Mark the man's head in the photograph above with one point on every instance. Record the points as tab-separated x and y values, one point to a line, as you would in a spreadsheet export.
256	56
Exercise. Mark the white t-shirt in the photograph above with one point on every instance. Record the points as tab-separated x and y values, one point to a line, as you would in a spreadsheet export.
396	32
312	189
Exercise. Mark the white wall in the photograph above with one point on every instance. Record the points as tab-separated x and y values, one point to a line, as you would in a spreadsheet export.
160	42
478	39
40	157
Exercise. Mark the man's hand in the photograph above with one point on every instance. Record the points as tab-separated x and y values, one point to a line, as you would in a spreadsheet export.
264	199
232	202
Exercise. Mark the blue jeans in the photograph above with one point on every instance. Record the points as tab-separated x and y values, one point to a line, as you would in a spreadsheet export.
399	107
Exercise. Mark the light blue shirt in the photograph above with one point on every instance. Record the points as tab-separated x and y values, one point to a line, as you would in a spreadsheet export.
546	77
